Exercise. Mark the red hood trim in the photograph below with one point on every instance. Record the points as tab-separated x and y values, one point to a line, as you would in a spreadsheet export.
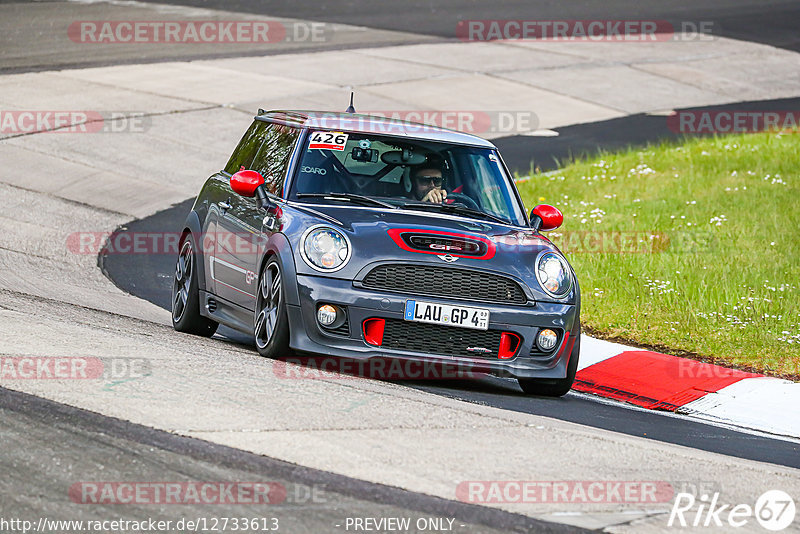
396	235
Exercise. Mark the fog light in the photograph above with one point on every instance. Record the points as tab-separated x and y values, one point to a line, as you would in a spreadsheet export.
547	340
326	315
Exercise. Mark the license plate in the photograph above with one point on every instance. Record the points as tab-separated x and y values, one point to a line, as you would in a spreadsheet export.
445	314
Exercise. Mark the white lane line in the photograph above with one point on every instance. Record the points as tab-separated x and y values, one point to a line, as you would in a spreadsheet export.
728	425
160	8
764	403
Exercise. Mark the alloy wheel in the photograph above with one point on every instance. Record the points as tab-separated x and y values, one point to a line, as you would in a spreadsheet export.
268	304
183	279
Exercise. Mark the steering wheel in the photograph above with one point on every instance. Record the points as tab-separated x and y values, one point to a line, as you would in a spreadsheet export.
463	199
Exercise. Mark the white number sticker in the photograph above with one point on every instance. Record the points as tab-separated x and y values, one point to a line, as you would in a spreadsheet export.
327	140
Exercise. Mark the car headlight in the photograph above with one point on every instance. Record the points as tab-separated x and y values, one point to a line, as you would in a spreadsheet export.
325	249
552	272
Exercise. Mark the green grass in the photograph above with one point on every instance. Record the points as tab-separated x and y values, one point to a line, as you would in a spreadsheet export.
720	276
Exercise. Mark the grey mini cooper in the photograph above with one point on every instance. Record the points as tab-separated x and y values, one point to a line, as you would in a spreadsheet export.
359	237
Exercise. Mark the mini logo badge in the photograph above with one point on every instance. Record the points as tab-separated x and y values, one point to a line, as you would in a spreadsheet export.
482	350
449	258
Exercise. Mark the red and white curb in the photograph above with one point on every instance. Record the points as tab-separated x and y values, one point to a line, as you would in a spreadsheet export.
662	382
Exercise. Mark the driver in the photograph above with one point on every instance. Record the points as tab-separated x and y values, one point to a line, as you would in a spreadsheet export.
426	183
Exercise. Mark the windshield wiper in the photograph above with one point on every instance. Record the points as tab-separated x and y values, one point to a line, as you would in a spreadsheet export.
456	207
349	197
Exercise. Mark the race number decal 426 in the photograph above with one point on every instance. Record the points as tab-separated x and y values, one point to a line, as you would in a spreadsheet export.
328	140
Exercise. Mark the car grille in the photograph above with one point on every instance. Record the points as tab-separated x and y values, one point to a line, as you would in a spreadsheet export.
445	282
544	358
436	339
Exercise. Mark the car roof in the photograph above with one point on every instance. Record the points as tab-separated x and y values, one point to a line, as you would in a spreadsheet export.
355	122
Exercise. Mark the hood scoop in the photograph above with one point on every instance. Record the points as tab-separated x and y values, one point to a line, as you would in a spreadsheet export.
435	242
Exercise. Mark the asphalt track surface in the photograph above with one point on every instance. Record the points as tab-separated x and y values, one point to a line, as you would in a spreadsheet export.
768	22
87	444
149	276
521	152
81	445
27	35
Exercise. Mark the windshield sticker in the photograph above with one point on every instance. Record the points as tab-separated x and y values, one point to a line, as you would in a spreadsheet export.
492	157
327	140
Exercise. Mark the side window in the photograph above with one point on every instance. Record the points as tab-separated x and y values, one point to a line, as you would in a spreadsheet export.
273	158
489	193
248	147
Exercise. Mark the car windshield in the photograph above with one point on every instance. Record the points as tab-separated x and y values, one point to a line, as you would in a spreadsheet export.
385	171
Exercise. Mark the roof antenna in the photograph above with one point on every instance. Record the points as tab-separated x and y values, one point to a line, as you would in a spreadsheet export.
350	108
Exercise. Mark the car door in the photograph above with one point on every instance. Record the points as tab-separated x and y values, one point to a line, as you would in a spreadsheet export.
244	228
216	191
217	236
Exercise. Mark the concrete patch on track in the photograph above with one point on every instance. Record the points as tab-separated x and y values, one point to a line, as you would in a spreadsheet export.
56	303
35	260
85	450
369	430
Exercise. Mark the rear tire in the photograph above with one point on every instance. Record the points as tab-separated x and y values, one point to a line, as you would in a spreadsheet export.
186	296
548	387
271	324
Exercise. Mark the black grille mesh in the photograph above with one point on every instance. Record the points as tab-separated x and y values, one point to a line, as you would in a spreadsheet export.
445	282
341	330
436	339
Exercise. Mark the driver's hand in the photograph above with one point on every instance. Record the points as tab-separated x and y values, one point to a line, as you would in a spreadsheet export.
435	195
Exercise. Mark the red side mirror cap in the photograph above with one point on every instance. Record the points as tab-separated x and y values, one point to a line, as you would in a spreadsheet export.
550	217
245	183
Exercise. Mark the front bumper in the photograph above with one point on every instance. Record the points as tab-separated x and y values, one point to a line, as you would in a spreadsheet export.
361	304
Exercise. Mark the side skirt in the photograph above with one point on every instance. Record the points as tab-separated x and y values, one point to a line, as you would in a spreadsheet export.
226	312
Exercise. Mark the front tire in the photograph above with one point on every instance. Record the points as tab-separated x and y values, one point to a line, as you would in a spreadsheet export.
186	296
548	387
271	326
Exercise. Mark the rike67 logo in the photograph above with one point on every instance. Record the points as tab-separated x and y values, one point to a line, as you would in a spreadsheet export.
774	510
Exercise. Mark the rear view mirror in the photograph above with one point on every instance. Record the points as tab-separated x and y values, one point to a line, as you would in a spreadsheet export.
251	184
404	157
246	182
545	218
